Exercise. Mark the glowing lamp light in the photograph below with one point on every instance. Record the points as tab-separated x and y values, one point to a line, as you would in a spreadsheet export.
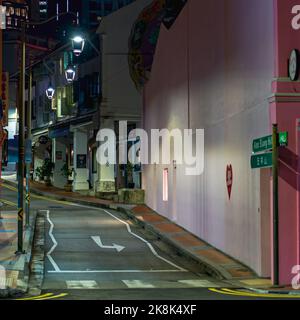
78	45
50	92
70	74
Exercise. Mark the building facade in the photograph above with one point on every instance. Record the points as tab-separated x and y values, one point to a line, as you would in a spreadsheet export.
121	100
232	82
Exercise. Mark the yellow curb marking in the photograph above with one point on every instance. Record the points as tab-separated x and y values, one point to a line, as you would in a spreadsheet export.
53	297
249	294
46	296
37	297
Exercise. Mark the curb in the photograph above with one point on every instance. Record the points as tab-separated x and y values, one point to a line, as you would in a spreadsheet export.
38	257
205	265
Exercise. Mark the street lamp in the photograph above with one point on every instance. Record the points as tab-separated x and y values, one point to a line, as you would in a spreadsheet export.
50	92
70	73
78	43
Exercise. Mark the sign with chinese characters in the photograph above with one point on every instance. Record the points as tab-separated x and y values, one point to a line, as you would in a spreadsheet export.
263	160
4	97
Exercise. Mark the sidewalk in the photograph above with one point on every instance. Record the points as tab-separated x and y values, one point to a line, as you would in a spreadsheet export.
16	266
211	261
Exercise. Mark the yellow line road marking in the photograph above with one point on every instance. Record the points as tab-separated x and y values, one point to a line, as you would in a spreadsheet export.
54	297
255	295
9	187
36	196
37	297
222	292
52	200
8	203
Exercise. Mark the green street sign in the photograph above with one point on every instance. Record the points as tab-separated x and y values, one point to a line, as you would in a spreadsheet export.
283	139
265	143
262	144
263	160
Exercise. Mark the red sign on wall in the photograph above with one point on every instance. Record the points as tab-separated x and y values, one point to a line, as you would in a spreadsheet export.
229	179
4	97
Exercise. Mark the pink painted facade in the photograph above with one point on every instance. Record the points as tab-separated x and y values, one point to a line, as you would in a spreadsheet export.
223	67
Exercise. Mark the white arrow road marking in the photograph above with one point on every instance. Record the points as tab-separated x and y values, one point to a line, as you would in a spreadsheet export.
98	241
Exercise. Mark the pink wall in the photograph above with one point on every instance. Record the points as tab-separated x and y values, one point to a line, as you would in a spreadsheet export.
285	109
214	70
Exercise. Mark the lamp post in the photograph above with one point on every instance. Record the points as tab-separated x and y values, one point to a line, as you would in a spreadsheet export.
21	103
29	145
77	41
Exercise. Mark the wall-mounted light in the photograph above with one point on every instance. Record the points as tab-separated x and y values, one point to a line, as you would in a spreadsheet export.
70	73
50	92
78	43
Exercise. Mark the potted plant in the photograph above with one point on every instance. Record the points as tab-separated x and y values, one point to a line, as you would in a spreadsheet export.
47	170
66	172
39	173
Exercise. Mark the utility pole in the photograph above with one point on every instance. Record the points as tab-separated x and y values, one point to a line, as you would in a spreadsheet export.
1	70
21	143
28	144
275	206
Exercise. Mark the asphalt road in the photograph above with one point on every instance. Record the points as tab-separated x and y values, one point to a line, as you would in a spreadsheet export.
98	254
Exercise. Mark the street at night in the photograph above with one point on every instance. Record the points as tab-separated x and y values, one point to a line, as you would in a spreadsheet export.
150	155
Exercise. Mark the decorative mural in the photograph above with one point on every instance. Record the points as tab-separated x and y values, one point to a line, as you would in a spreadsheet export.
144	37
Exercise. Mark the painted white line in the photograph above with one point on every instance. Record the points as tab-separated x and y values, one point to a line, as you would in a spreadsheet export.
55	266
145	241
132	284
117	271
57	270
82	284
99	243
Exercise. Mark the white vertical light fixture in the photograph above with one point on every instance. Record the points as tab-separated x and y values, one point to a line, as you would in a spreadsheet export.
165	185
2	17
57	11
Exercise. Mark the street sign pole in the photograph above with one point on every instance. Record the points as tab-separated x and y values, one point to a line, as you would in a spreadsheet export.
275	206
21	145
28	137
